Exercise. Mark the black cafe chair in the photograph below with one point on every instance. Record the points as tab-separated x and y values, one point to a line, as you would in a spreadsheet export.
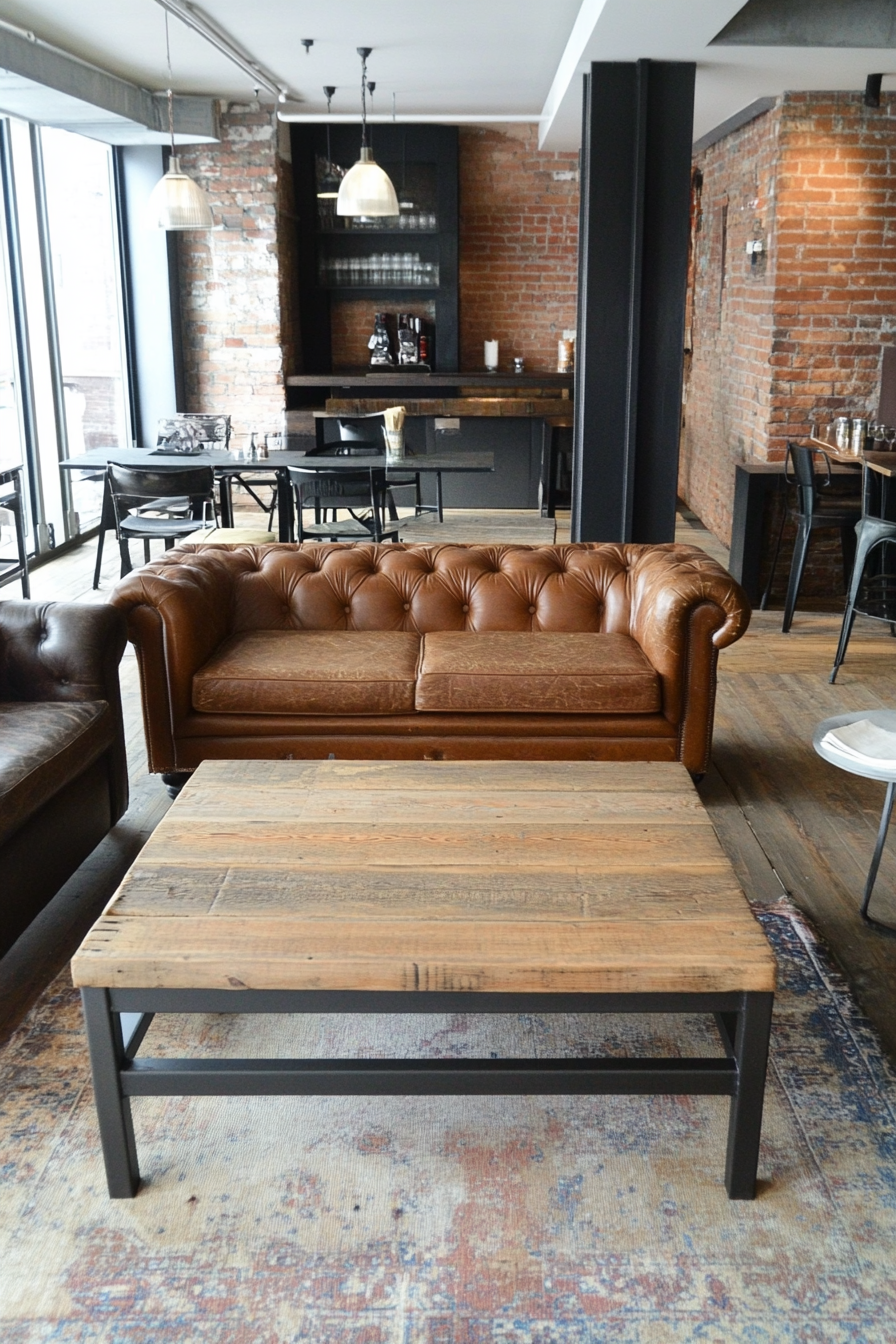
356	440
811	512
361	494
181	435
134	490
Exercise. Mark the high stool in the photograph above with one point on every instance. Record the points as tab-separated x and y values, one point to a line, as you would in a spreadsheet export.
870	533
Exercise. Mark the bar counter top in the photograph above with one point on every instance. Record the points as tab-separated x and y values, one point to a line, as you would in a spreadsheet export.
371	378
549	408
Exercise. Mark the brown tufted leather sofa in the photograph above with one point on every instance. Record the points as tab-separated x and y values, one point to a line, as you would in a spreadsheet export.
63	770
580	652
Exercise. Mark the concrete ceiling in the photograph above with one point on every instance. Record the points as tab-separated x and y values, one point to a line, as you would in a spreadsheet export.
494	58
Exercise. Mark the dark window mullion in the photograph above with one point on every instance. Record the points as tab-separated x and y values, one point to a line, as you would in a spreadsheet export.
46	259
25	388
127	292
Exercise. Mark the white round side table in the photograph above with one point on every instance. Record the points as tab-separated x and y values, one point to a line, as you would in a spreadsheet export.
883	718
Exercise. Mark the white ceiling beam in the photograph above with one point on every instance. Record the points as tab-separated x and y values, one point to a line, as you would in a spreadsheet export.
568	71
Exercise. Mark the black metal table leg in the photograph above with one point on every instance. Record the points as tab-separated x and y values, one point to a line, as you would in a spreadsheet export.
225	494
22	549
13	499
107	524
745	1119
875	860
113	1108
439	510
285	513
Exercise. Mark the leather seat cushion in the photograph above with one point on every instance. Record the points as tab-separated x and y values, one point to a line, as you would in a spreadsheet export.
310	672
44	745
537	672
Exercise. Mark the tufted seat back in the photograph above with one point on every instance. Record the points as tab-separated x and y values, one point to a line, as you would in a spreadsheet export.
427	588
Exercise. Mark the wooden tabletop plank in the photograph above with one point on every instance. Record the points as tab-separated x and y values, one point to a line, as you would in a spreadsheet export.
370	875
452	806
542	957
170	890
440	776
265	845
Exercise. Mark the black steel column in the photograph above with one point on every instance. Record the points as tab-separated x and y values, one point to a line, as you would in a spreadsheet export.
633	254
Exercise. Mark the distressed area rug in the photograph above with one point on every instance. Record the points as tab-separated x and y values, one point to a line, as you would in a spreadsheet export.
457	1220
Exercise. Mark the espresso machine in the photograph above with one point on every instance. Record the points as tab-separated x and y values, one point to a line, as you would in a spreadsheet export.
379	344
413	343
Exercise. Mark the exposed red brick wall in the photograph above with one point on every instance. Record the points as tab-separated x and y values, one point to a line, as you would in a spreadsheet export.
835	301
518	245
730	320
800	335
235	279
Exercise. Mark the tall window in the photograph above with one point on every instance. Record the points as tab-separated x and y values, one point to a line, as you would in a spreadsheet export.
86	279
11	450
63	365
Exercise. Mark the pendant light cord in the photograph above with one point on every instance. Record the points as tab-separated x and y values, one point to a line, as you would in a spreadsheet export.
363	98
170	90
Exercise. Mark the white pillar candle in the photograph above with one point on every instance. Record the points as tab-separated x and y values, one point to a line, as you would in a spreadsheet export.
491	354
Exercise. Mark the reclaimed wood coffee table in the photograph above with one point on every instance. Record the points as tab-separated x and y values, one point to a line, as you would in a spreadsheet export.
429	887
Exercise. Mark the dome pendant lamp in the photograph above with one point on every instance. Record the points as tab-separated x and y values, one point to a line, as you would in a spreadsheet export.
176	202
366	189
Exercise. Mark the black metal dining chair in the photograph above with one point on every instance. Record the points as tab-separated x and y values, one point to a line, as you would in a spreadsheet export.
356	440
810	513
134	490
361	493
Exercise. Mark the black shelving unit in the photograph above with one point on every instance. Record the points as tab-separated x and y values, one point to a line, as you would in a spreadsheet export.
422	163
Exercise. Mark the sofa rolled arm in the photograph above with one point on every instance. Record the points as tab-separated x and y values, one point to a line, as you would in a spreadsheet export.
668	582
60	651
177	614
67	651
684	608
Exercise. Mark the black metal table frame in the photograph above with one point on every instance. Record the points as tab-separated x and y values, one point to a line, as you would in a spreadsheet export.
743	1020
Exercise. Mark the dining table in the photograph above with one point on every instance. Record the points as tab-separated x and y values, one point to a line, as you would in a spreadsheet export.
229	465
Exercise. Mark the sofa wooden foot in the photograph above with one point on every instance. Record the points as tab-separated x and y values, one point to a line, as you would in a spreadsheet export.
175	780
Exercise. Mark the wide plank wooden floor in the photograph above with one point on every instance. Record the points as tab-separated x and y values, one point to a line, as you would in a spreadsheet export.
790	823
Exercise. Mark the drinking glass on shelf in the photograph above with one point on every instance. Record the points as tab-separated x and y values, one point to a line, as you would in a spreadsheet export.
890	436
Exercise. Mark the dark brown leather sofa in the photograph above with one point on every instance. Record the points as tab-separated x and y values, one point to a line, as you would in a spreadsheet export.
582	652
63	771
